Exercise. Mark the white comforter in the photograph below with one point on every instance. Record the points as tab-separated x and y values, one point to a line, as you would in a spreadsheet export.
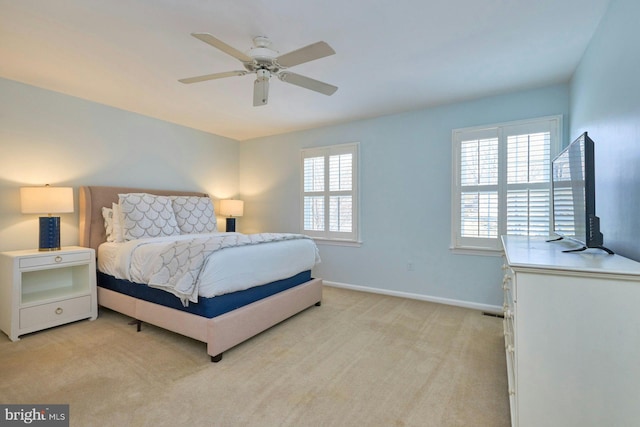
228	270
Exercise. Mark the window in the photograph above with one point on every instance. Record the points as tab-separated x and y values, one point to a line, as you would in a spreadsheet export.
501	182
330	192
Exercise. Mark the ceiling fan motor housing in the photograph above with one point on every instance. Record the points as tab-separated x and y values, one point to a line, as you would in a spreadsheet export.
263	56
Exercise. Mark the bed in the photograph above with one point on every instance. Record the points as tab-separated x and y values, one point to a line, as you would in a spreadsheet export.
221	321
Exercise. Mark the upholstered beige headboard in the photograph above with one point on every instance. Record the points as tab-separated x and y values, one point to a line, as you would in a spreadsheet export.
93	198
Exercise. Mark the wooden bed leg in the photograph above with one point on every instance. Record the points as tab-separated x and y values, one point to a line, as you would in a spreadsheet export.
217	358
319	303
138	323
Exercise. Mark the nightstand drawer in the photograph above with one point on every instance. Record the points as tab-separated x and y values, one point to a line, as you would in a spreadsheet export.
55	313
54	259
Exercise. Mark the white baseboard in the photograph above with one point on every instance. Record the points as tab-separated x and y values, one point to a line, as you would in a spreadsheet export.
495	309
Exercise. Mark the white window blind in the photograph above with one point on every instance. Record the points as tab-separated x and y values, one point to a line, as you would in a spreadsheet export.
501	181
479	187
329	207
529	184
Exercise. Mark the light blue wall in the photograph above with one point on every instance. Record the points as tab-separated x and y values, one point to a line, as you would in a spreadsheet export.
405	169
605	101
47	137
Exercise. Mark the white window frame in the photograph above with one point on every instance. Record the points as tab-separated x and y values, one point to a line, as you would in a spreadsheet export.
327	236
492	245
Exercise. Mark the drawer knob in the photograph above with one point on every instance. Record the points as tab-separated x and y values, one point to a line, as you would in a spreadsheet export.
58	259
59	310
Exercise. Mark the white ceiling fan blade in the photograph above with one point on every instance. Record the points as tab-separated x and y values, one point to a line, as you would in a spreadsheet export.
212	76
219	44
261	88
307	83
305	54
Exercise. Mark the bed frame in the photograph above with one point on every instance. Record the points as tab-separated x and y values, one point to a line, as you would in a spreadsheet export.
221	332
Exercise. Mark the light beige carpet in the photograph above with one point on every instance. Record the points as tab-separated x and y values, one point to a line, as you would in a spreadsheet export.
358	360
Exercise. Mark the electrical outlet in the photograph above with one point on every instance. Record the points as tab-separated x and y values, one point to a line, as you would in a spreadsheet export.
409	265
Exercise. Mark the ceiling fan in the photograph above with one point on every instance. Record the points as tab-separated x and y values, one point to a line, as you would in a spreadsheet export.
265	62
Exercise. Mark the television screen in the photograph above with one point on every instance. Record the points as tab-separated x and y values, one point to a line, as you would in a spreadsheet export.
569	207
574	199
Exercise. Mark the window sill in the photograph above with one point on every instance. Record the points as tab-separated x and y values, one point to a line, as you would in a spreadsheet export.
337	242
476	251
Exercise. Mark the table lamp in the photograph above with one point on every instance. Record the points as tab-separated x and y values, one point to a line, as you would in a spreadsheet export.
231	208
47	200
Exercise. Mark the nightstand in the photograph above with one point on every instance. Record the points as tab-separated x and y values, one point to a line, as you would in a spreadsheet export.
39	290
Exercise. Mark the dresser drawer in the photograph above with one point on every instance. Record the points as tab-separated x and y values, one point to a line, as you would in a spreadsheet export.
509	332
55	313
54	259
508	299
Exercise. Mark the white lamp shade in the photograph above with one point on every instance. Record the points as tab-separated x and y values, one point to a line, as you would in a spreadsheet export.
230	207
46	200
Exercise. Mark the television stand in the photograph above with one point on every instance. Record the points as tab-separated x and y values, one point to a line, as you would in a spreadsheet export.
584	248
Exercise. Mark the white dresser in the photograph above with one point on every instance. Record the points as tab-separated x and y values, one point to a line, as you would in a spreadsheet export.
572	335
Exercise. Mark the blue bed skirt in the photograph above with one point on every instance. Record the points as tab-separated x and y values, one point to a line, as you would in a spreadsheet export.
206	307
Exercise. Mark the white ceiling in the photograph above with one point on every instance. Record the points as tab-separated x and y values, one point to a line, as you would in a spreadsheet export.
391	56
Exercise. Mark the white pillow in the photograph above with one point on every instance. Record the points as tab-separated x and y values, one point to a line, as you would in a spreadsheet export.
146	215
107	214
118	233
113	223
194	214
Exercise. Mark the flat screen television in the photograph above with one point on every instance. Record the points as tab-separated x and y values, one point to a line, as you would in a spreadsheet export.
574	195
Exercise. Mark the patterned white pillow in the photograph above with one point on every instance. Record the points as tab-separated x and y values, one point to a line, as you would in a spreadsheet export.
194	214
147	215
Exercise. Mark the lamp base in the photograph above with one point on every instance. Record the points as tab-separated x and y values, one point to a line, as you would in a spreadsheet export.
231	224
49	233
